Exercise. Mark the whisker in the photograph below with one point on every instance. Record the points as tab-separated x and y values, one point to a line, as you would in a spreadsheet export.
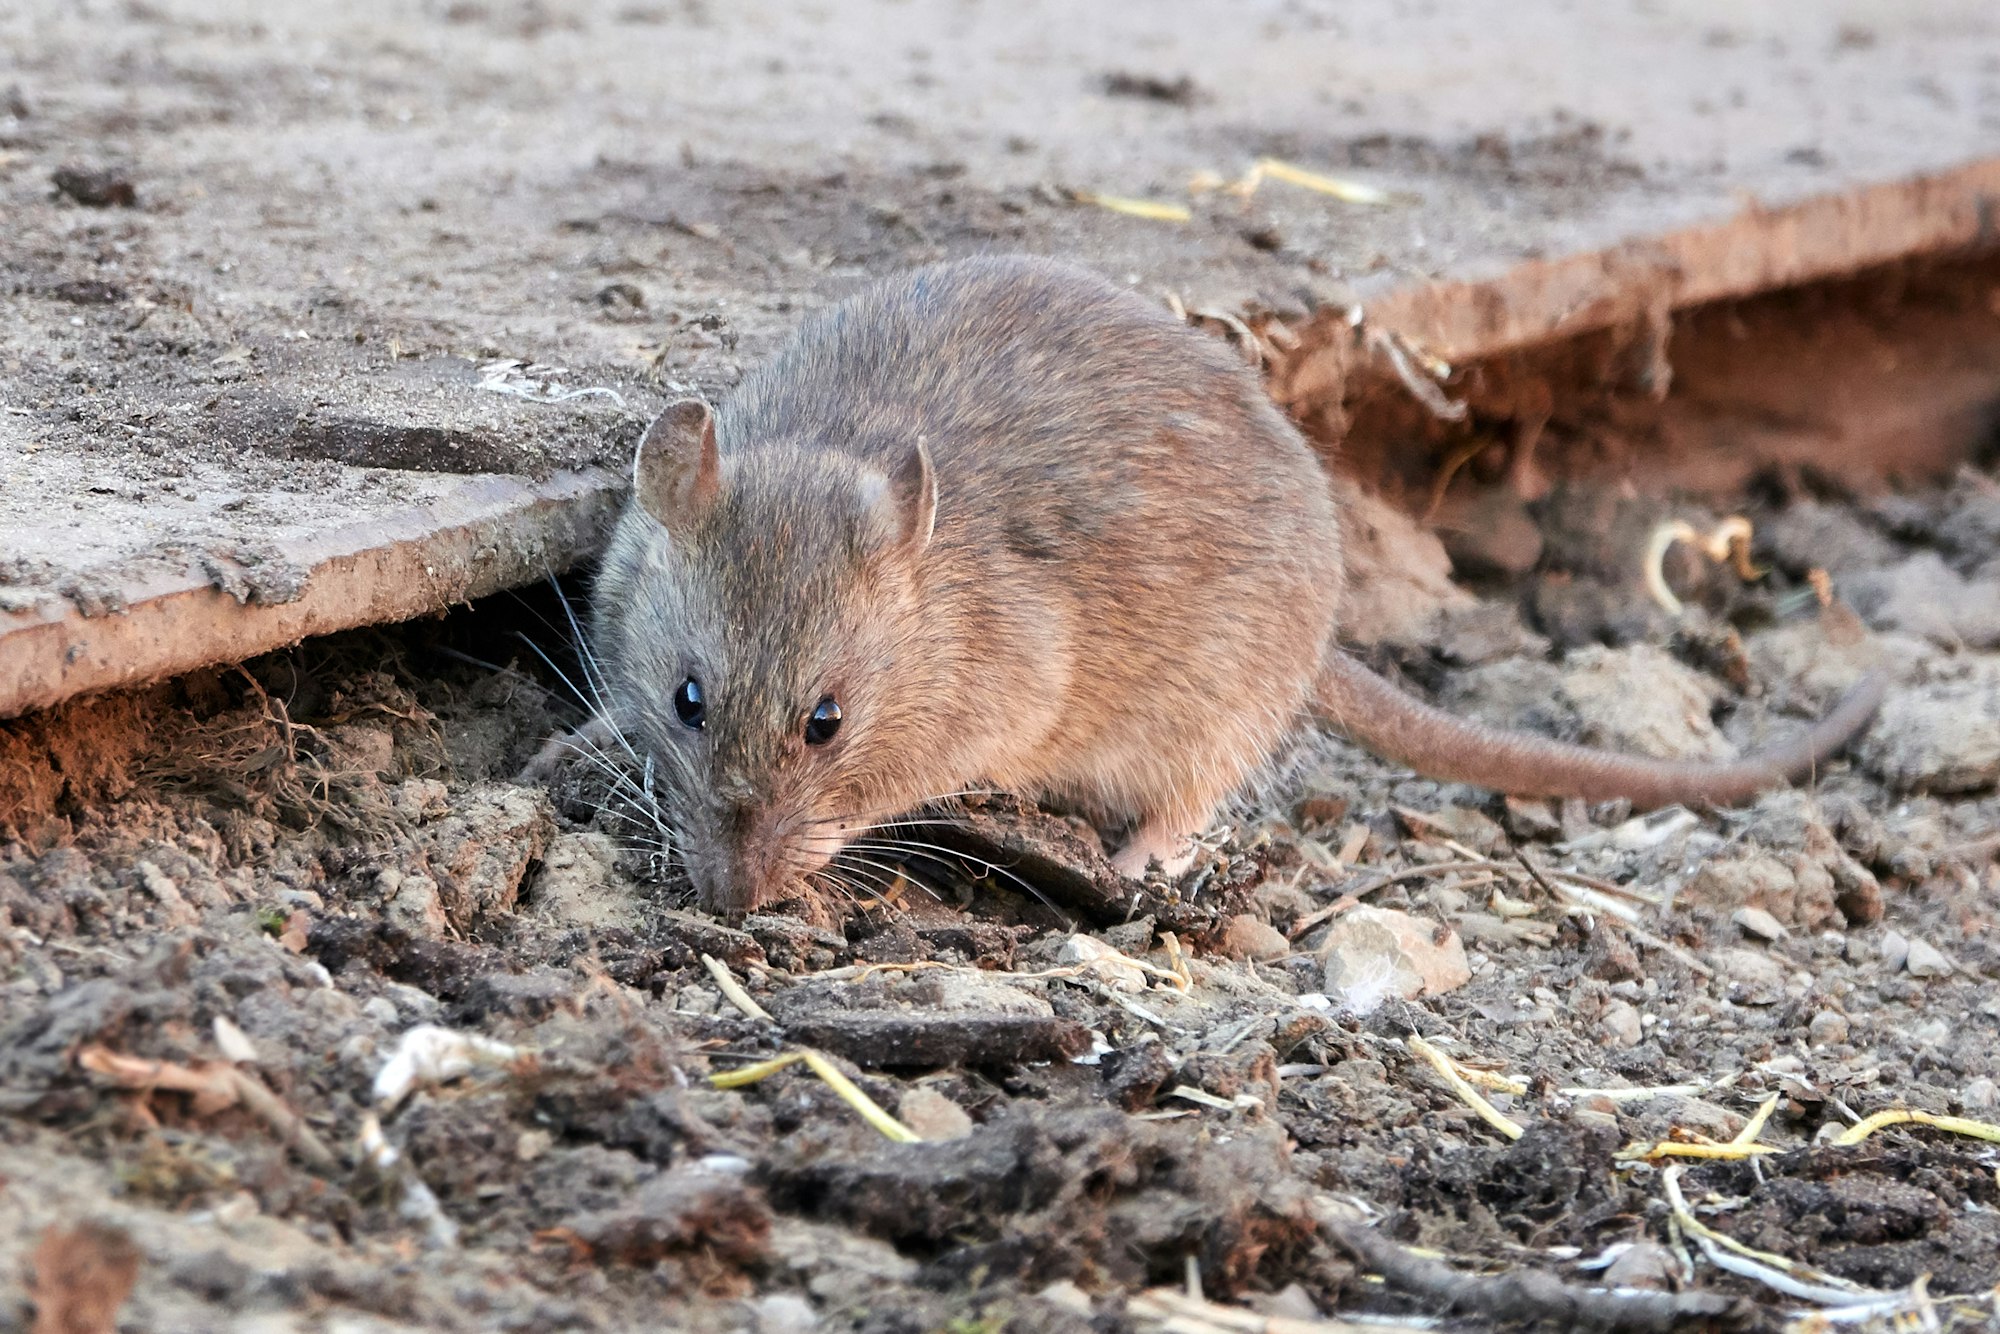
954	854
902	873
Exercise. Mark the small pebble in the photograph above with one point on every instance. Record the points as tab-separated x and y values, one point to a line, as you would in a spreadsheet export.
1931	1032
1621	1024
1751	968
1982	1095
1925	960
1757	923
382	1010
1251	937
1895	948
1066	1296
1291	1302
1827	1029
785	1313
1643	1264
932	1115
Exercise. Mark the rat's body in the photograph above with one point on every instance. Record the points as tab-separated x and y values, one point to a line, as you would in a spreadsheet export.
999	522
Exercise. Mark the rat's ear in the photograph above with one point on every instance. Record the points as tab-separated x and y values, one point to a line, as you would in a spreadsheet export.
913	498
677	472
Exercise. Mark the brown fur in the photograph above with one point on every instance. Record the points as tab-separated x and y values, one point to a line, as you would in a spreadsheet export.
1030	531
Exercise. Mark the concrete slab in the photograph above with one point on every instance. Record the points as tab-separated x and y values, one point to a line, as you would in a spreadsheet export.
287	381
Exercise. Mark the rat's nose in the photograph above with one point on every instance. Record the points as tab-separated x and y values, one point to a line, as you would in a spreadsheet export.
744	871
718	885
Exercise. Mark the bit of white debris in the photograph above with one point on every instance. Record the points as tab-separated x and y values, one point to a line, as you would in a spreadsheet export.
233	1042
1117	971
537	383
428	1054
1099	1049
1926	960
1241	1102
723	1164
419	1203
1758	923
1373	954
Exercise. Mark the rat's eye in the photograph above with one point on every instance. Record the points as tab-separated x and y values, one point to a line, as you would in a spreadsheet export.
823	722
689	706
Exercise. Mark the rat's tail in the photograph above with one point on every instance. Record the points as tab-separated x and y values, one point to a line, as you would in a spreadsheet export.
1367	708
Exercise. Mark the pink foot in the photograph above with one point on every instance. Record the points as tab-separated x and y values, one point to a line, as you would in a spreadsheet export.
1155	843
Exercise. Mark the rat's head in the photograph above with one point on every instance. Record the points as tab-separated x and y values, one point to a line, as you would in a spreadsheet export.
759	622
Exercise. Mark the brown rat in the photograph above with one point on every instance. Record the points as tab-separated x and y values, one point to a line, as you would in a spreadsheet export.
1000	522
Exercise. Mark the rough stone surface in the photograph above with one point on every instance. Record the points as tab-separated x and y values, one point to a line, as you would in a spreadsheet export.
1375	953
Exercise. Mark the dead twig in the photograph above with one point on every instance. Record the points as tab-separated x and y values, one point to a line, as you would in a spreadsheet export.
1528	1295
733	990
214	1086
1175	1312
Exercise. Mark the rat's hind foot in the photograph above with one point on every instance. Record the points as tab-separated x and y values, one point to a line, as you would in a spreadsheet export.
1152	842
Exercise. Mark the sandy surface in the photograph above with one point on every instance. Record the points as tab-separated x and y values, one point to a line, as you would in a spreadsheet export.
342	212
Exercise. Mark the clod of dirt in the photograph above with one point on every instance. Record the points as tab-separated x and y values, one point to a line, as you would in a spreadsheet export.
1942	735
96	187
370	444
932	1115
478	855
1064	1194
1923	596
688	1212
1029	851
1180	91
1637	699
88	292
1794	870
82	1277
574	887
928	1019
1809	534
1398	576
1641	700
1806	665
1246	936
1489	534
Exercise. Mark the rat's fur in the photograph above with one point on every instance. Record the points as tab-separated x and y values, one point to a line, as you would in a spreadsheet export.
1030	531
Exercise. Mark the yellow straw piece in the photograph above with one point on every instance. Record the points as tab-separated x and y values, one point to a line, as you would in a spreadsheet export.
848	1091
1348	192
1448	1071
726	982
1150	209
1755	1125
1957	1125
1727	1153
851	1094
751	1074
1493	1080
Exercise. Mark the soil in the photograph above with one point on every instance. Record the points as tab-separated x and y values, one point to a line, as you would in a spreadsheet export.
277	873
256	923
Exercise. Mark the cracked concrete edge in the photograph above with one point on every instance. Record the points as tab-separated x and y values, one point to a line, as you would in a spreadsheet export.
1760	248
502	532
492	533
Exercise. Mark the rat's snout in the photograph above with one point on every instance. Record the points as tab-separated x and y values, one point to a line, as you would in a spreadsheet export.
746	865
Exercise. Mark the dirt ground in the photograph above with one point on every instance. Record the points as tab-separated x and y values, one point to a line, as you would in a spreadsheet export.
271	877
311	1018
